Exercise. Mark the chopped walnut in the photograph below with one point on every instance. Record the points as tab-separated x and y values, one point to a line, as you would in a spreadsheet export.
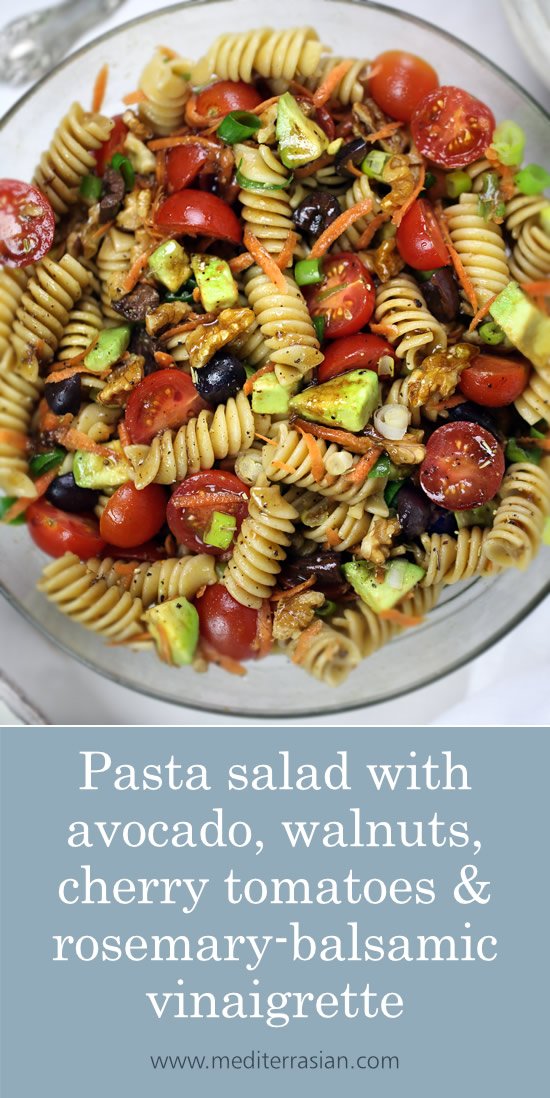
368	118
437	376
137	126
166	316
377	543
83	241
295	613
206	339
386	260
121	380
137	206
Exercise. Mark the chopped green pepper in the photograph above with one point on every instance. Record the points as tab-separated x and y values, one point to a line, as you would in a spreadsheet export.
43	463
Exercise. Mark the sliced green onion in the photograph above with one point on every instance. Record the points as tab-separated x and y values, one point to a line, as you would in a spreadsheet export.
185	292
5	503
374	163
533	179
382	468
457	183
220	530
391	490
44	463
319	325
308	271
509	143
491	333
254	184
326	609
536	432
515	452
250	370
238	126
490	204
91	187
544	218
121	164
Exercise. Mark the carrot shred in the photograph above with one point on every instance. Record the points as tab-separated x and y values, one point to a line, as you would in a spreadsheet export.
384	131
542	287
163	359
356	444
339	226
21	505
48	420
333	537
199	121
361	471
168	52
124	567
70	371
450	402
399	214
371	229
331	82
300	652
384	328
285	466
287	251
16	439
100	87
225	662
196	501
458	265
264	635
310	169
241	262
73	439
138	96
264	106
182	139
318	470
136	269
279	595
265	261
264	438
123	434
194	321
102	230
481	313
249	383
399	617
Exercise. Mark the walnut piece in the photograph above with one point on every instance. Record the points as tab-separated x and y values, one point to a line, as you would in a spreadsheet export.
121	380
377	543
166	316
137	207
437	376
295	613
206	339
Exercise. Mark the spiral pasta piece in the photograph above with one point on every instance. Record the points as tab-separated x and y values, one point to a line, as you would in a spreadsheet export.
157	581
522	208
75	590
210	437
85	322
96	421
113	262
165	84
447	559
44	309
517	527
251	347
285	324
350	89
13	283
530	260
411	328
368	632
480	246
330	655
344	524
261	546
534	402
358	192
70	156
398	393
267	213
18	397
289	462
272	54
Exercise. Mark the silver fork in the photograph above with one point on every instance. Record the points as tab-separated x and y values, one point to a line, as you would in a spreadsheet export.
34	43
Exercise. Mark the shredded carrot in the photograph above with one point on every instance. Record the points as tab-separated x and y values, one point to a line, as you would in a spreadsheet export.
333	537
450	402
70	371
458	265
264	438
287	251
100	86
124	567
194	321
310	169
162	359
21	505
384	328
196	501
279	595
168	52
398	617
48	420
317	464
138	96
361	471
372	228
356	444
183	139
542	287
331	82
542	443
385	131
481	313
199	121
16	439
136	269
340	225
225	662
82	354
241	262
264	635
265	261
123	434
399	214
300	652
285	466
249	383
102	230
73	439
264	106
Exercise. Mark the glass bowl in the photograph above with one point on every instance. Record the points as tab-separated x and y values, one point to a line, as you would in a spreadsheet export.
470	618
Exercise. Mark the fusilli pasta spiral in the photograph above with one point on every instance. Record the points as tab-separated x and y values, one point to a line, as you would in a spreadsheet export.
412	329
368	631
447	559
345	525
267	213
285	324
261	546
12	287
480	246
113	261
165	84
75	591
85	321
358	192
70	156
530	260
44	309
516	533
96	421
18	397
286	55
534	402
160	580
330	655
351	89
289	461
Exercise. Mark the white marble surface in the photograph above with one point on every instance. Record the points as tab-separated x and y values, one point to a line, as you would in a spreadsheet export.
509	684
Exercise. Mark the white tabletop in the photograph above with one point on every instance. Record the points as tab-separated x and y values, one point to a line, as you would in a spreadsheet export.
486	692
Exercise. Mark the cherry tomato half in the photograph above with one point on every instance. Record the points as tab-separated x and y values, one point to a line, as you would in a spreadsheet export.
183	165
494	381
57	532
345	297
226	96
198	213
420	240
398	81
194	501
229	627
113	144
164	399
463	467
451	127
133	515
356	352
27	223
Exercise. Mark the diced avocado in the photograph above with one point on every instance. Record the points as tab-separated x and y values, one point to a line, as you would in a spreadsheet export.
110	346
174	627
346	401
217	286
269	397
400	576
526	326
96	471
170	265
300	139
220	530
477	516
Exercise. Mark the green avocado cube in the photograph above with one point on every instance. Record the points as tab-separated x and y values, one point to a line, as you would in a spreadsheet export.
220	530
347	401
217	286
174	627
98	472
477	516
400	576
110	346
526	326
170	265
300	139
269	397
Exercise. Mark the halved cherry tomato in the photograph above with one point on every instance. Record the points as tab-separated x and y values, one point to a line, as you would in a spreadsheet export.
494	381
133	515
215	490
112	145
27	223
345	297
398	81
183	165
226	96
198	213
451	127
356	352
164	399
57	532
463	467
420	240
229	627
